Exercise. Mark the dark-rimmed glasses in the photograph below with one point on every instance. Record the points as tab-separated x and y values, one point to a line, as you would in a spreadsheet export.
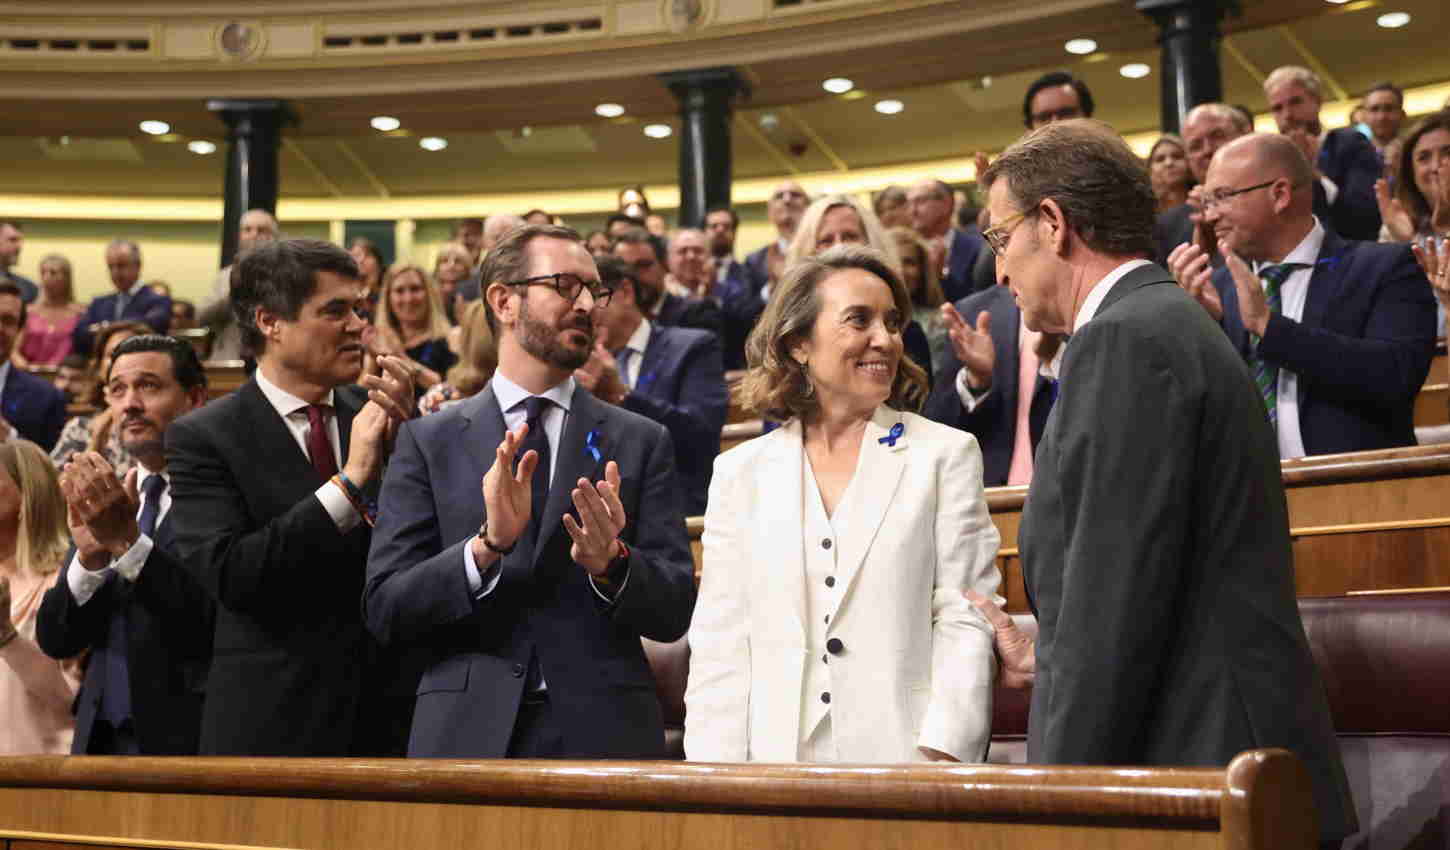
569	285
998	235
1219	196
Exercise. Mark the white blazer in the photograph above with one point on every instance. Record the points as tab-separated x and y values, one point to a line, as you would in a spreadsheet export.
918	665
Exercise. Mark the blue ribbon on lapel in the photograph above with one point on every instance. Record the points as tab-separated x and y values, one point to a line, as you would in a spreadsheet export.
645	380
591	445
893	435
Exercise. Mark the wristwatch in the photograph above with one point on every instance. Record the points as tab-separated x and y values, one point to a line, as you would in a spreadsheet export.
483	535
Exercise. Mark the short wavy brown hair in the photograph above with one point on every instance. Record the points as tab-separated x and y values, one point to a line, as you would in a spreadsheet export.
777	387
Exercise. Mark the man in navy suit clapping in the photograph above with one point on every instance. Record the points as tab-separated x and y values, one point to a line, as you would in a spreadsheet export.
132	301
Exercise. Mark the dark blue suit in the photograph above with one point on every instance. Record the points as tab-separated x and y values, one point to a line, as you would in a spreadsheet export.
34	407
145	306
958	281
994	420
1361	350
1350	160
681	385
169	620
28	290
601	690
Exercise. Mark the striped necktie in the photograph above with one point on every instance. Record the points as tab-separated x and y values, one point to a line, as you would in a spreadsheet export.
1266	375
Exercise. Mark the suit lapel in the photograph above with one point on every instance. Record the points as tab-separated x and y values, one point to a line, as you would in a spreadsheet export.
878	472
574	461
481	428
1009	349
782	506
271	432
1322	282
649	361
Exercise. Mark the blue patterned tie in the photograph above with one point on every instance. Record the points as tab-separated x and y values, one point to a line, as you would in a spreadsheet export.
1266	375
621	362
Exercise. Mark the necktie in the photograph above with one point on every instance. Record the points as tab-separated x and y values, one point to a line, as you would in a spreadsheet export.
151	491
116	697
121	299
1266	375
537	440
319	445
621	359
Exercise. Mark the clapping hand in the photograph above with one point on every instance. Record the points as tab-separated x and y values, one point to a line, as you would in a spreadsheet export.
600	375
972	345
507	492
392	390
1190	266
1396	218
1434	257
1253	304
104	505
601	518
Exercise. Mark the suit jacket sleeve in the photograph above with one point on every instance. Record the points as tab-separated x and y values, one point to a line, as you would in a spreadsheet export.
62	627
250	570
176	598
158	313
1119	402
1387	364
699	416
1354	166
958	719
52	422
81	338
717	695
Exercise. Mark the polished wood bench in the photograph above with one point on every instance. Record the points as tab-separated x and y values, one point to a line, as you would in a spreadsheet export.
1261	800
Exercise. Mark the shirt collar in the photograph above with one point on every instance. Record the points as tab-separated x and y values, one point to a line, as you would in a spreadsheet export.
4	375
1305	253
639	340
142	474
284	402
510	394
1089	309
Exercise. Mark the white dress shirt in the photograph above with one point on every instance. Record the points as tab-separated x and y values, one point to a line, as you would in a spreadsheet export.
637	343
823	597
293	411
83	583
1089	309
1293	293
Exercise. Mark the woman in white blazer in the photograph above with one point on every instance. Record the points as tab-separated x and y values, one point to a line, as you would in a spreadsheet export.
830	624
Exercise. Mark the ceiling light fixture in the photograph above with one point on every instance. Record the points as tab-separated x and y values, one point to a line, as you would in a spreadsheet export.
1393	20
609	110
838	85
889	107
155	128
432	143
201	147
658	131
1080	46
385	123
1135	70
1336	2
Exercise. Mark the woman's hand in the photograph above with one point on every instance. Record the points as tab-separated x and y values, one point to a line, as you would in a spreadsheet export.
7	628
1396	218
1016	650
1434	257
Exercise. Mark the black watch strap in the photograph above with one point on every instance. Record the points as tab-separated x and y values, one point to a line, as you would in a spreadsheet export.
483	535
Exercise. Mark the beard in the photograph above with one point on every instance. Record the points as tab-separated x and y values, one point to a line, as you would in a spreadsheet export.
151	444
541	339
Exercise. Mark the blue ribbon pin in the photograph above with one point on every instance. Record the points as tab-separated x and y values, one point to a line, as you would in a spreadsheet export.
893	435
591	445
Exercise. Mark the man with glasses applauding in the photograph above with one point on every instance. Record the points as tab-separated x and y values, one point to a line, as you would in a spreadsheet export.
1338	333
531	535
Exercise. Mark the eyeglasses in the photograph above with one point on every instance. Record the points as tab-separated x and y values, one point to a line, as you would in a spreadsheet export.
998	236
569	285
1220	196
786	195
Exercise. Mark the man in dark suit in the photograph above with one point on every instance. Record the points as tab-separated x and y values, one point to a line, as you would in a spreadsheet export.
991	357
533	609
739	302
132	301
1155	540
30	407
12	239
1346	164
932	208
1206	128
642	252
124	595
671	375
1340	333
273	485
786	205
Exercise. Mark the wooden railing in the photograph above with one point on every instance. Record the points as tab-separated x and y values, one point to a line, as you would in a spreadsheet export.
1261	800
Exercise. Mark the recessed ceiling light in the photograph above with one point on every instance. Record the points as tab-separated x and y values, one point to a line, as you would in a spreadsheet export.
201	146
155	128
658	131
609	110
1336	2
432	143
385	123
889	107
1393	20
1135	70
838	85
1081	46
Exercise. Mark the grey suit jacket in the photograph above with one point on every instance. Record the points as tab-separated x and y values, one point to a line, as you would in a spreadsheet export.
1155	550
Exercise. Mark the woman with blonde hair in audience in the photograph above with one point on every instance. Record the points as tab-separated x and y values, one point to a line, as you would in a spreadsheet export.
46	338
409	322
1168	171
831	624
478	358
93	432
921	278
36	691
451	268
842	220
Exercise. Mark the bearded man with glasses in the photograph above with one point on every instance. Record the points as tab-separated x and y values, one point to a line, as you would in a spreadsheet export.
529	536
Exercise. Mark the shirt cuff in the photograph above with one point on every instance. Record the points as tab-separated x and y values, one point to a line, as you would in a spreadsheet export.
337	505
479	586
82	582
132	560
970	397
1331	191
